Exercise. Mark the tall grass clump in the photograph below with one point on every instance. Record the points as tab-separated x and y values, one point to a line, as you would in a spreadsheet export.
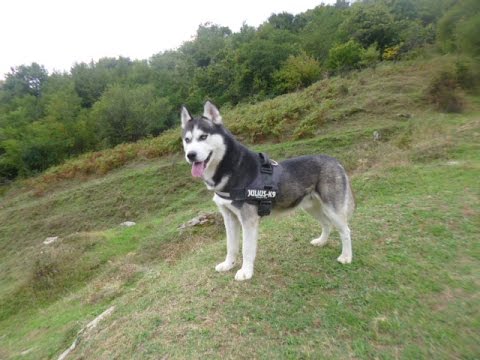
449	86
445	93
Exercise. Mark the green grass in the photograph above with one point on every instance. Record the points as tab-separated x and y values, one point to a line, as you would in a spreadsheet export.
411	291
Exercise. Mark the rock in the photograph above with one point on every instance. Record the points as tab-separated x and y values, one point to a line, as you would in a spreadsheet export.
128	223
404	116
91	325
376	135
26	352
50	240
199	220
453	162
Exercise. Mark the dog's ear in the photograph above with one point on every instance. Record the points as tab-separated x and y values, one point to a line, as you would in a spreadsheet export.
185	116
211	112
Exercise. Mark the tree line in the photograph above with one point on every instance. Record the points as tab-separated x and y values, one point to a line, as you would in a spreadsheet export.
46	118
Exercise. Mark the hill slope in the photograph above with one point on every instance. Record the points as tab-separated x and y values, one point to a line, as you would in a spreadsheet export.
410	292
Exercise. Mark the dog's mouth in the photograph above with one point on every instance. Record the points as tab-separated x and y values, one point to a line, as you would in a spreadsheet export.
198	167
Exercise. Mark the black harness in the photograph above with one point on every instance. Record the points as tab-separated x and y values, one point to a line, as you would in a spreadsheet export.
262	191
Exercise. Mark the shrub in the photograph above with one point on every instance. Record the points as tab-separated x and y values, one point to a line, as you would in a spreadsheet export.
467	74
391	53
445	93
310	124
297	72
370	57
345	56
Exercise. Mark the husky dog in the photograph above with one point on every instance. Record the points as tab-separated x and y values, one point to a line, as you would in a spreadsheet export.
317	184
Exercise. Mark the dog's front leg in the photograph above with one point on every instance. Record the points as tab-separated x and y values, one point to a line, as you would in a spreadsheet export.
232	228
250	221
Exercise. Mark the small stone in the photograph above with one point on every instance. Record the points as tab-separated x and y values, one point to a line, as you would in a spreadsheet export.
128	223
50	240
26	352
199	220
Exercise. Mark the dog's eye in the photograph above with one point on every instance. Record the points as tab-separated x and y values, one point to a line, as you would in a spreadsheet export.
203	137
187	140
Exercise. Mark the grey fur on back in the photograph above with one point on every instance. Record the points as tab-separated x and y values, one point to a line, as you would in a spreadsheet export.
305	175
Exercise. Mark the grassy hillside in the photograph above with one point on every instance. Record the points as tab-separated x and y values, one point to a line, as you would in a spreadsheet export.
411	291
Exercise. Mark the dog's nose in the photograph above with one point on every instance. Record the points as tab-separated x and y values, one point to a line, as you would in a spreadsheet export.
192	155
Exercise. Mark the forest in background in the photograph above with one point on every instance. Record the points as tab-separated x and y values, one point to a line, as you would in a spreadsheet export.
47	118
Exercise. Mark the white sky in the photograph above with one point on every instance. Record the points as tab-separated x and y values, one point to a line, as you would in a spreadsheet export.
58	33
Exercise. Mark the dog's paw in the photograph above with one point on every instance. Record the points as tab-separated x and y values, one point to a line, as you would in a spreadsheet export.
344	259
244	274
225	266
318	242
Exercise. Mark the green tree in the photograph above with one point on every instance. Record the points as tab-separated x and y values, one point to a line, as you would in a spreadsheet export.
370	23
458	28
89	83
321	31
287	21
25	80
210	40
129	114
215	82
259	59
172	74
46	143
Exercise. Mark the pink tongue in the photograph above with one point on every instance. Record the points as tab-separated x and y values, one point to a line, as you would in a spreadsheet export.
197	169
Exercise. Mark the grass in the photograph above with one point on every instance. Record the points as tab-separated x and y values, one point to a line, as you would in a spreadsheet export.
411	291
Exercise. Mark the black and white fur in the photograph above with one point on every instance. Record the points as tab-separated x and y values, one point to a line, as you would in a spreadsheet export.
317	184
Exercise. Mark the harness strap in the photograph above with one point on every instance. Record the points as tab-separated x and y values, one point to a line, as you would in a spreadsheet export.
263	197
266	171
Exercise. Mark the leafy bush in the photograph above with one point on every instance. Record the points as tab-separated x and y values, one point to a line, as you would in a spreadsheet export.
371	56
297	72
345	56
391	53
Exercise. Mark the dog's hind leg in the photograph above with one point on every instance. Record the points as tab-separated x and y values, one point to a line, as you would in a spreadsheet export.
314	208
341	223
326	229
233	230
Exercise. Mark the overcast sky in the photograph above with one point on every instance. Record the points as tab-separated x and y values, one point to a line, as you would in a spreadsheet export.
58	33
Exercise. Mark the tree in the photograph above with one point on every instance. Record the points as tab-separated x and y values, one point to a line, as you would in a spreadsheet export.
342	4
321	31
129	114
287	21
216	82
370	24
458	28
172	75
89	83
209	41
259	58
26	80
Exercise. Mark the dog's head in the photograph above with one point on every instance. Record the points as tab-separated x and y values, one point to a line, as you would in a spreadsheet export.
203	143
